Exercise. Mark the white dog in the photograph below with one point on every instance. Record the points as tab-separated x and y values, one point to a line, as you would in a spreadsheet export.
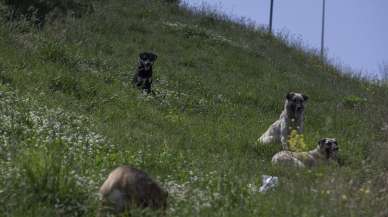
325	152
291	118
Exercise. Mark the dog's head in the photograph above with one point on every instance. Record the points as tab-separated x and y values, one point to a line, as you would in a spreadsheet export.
329	147
295	102
158	196
147	59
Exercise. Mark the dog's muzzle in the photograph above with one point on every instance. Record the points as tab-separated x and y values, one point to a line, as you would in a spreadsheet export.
147	67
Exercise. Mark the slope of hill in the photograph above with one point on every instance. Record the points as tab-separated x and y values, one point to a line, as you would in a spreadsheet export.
69	115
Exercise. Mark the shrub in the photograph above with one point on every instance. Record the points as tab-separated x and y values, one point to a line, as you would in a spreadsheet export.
296	142
37	10
173	1
353	101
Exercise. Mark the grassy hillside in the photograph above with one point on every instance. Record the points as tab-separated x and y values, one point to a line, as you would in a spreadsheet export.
69	115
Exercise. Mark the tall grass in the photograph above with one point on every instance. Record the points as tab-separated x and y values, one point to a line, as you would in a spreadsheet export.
69	115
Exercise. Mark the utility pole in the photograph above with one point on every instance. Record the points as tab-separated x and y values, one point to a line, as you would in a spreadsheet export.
270	17
323	29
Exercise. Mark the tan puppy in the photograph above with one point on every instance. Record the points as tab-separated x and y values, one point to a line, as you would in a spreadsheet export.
292	118
325	152
127	187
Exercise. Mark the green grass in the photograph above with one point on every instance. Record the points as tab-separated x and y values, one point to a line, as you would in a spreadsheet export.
69	115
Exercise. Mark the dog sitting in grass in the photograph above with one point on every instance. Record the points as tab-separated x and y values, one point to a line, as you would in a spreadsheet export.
126	188
143	76
325	152
292	118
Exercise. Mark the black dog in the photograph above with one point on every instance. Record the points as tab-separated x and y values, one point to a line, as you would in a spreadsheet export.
143	75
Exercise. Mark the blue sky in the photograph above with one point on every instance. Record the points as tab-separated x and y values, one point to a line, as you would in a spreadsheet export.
356	30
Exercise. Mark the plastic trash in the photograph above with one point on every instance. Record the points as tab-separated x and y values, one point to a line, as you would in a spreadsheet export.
268	182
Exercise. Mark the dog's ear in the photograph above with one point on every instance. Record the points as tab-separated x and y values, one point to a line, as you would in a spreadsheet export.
290	95
305	98
142	55
335	146
322	143
153	57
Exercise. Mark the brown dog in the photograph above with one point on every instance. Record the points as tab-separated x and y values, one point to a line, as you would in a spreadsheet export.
127	187
325	152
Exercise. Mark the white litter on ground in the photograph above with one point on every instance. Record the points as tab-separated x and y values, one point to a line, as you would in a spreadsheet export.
268	183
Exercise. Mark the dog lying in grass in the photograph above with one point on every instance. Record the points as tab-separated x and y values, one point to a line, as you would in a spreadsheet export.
143	76
292	118
325	152
126	188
